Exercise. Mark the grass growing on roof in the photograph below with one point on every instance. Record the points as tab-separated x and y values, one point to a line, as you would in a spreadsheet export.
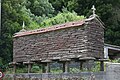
63	17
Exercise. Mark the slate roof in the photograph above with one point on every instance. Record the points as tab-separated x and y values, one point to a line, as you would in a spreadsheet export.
52	28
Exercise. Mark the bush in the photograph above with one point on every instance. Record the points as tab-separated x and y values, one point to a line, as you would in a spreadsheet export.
64	17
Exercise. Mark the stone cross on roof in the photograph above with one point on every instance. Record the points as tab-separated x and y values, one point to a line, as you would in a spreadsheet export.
93	8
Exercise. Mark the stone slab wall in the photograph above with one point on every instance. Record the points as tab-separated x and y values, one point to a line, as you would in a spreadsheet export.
113	71
63	76
95	37
85	40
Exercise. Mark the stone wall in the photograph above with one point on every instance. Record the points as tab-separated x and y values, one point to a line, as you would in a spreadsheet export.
71	42
113	71
95	37
62	76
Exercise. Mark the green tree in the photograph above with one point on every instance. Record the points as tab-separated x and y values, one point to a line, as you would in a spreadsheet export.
9	27
60	18
14	12
40	7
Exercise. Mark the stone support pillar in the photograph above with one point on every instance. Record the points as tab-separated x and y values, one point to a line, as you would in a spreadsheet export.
66	67
14	68
85	59
65	63
43	68
46	66
38	61
29	64
29	68
63	67
81	65
102	64
14	64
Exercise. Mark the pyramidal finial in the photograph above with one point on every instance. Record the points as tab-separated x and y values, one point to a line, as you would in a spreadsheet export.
23	27
93	8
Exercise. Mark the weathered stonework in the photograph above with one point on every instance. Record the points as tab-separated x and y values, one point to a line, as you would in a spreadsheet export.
113	71
76	40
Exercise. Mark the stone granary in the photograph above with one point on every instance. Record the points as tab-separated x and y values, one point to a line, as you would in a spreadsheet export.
78	40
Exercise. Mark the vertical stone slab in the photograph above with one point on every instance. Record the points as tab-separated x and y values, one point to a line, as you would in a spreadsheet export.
65	65
113	71
48	68
14	64
81	65
43	68
101	65
14	69
29	68
29	65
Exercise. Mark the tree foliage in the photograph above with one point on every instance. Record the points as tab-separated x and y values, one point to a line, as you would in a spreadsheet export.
14	12
40	7
60	18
